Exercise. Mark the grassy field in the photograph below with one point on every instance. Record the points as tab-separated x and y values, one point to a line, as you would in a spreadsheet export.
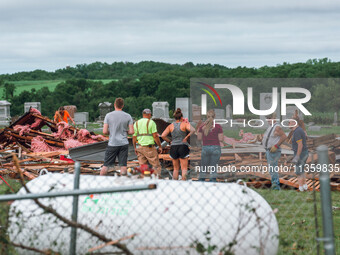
325	130
21	86
295	217
4	207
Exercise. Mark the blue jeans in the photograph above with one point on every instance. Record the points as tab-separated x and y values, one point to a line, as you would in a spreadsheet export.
209	160
273	161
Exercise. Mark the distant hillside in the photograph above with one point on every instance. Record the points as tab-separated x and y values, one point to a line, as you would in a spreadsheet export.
118	70
140	84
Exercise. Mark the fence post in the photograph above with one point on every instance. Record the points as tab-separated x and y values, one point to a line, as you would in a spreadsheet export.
326	201
73	243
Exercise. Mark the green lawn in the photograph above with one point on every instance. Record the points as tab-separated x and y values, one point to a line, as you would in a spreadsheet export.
296	219
325	130
4	207
21	86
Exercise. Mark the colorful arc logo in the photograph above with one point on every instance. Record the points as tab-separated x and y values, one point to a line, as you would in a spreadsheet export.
209	93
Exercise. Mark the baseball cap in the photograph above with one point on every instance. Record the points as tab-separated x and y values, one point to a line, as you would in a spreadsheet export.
147	111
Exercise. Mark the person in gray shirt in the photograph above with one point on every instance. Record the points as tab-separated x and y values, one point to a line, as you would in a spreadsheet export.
118	124
272	140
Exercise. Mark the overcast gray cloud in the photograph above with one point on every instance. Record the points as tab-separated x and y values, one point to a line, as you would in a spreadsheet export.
48	35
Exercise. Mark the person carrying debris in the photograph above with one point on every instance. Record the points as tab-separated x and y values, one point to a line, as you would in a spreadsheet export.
211	135
272	139
179	151
300	149
118	124
146	135
62	115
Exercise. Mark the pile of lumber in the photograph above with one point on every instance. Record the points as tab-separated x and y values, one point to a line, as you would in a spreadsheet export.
9	138
28	127
252	155
331	140
32	164
35	163
18	139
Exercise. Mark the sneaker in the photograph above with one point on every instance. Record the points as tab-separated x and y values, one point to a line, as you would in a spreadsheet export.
305	187
301	189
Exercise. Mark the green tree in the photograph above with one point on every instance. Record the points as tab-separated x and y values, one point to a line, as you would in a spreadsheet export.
9	90
334	94
1	82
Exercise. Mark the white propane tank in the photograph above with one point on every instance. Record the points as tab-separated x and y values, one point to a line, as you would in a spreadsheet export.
168	220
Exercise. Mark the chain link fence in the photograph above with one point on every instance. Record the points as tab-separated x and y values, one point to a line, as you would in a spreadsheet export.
133	215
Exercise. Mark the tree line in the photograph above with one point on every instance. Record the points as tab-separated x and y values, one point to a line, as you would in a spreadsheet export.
140	84
321	68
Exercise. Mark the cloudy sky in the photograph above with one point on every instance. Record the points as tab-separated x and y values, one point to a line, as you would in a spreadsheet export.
49	34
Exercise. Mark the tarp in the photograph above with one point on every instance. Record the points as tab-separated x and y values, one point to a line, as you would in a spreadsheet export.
95	152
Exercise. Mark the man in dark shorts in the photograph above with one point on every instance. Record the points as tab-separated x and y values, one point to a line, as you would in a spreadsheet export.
118	124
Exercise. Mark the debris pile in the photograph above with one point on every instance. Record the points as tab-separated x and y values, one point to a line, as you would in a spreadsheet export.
331	140
26	133
34	164
248	161
40	152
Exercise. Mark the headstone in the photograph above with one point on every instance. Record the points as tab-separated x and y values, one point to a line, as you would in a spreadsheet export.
314	128
196	113
219	114
81	117
104	108
36	105
160	110
335	119
229	112
266	103
184	104
5	115
72	109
